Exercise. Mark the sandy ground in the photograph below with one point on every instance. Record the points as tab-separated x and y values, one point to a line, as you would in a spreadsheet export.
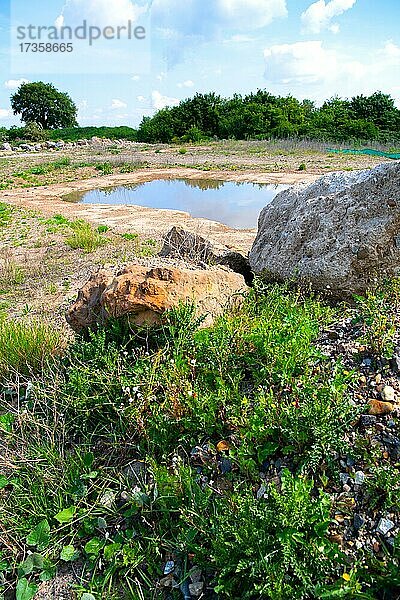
147	222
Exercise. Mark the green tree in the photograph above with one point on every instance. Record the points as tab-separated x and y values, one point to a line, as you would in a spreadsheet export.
43	104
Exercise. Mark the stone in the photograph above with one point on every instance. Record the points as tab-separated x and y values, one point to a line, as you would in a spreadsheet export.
196	589
384	526
376	407
179	243
388	394
6	146
358	522
143	294
359	478
308	232
51	145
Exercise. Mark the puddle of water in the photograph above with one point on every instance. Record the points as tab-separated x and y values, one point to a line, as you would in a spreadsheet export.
237	205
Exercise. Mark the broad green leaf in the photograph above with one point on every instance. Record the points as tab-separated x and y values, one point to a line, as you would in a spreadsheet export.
40	536
93	547
68	553
111	550
66	515
25	590
33	561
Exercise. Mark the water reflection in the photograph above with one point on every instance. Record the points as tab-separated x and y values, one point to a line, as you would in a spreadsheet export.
236	204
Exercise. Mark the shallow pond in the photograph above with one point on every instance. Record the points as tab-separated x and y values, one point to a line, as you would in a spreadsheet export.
237	205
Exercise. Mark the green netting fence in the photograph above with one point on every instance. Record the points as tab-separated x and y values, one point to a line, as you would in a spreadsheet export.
365	151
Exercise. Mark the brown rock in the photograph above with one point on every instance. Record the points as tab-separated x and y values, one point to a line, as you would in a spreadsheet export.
144	294
376	407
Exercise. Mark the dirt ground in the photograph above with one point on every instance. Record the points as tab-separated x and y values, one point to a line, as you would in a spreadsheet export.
40	272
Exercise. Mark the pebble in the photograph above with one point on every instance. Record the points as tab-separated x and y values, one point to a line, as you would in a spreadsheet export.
359	478
225	465
344	478
384	526
388	394
195	575
261	492
195	589
358	522
376	407
169	567
367	420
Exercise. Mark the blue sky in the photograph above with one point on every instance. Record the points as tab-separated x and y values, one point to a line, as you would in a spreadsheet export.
309	49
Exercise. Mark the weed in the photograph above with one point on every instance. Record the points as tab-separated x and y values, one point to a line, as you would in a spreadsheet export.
105	168
85	237
26	346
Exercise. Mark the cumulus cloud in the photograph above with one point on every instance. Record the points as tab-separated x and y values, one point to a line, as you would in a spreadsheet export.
4	113
316	71
302	62
186	84
117	104
14	84
319	15
391	50
159	101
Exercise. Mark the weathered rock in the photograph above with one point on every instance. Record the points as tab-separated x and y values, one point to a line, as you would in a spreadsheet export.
340	233
51	145
144	294
376	407
388	394
179	243
6	146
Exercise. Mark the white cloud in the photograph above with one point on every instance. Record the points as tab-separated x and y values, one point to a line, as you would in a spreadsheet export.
136	78
319	15
254	14
302	62
4	113
391	50
14	84
159	101
99	12
117	104
186	84
312	70
141	98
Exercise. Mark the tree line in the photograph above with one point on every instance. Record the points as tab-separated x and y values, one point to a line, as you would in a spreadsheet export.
262	115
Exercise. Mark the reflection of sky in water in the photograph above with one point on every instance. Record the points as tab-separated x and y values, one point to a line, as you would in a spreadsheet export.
237	205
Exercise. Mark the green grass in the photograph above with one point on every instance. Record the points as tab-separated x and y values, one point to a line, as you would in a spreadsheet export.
26	346
5	214
163	399
85	237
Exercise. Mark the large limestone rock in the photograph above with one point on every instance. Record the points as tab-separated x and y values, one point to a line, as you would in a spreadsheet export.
341	233
144	294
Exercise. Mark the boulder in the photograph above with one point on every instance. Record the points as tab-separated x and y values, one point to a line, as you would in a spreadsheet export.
143	294
182	244
51	145
6	146
341	233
